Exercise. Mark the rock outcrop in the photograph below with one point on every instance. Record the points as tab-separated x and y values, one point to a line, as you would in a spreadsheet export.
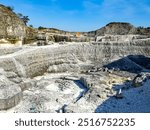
10	93
116	28
12	27
120	28
140	79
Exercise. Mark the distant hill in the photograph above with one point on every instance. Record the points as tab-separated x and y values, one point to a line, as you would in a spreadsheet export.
120	28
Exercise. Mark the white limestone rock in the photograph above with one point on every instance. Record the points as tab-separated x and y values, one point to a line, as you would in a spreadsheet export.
10	93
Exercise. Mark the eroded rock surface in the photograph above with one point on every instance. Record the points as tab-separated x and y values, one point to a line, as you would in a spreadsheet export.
10	25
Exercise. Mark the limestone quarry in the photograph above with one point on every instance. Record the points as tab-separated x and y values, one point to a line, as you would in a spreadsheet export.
53	71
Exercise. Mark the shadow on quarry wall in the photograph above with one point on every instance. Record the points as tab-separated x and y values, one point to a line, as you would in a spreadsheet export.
131	63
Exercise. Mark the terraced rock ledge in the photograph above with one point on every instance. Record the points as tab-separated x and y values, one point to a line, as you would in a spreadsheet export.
73	77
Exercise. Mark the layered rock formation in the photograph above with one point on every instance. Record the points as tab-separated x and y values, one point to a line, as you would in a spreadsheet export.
25	63
35	61
12	27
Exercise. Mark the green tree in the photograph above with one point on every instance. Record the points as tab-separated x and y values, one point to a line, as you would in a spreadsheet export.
20	15
11	8
40	28
31	26
25	19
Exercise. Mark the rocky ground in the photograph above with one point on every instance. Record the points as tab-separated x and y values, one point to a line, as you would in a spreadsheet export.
84	93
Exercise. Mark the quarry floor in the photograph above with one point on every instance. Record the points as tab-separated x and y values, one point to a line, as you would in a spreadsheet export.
64	93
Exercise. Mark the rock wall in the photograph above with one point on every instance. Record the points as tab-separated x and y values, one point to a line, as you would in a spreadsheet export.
35	61
55	35
11	26
120	38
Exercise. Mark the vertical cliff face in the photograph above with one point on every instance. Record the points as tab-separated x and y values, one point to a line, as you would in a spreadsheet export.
11	26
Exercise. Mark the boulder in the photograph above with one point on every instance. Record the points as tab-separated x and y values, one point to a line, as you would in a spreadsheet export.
10	93
140	79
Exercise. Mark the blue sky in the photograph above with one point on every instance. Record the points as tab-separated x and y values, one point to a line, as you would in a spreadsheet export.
82	15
